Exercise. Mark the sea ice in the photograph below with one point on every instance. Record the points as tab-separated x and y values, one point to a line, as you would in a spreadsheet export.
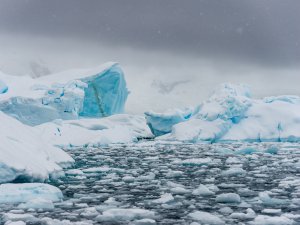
26	192
118	214
271	220
203	191
206	218
228	198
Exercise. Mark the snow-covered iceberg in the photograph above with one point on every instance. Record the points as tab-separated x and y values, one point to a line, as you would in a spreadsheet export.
231	114
97	92
25	156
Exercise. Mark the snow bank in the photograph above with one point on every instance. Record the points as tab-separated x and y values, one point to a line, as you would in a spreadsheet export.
121	128
25	156
230	114
68	95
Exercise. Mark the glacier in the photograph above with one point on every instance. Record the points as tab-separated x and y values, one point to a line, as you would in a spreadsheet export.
232	114
72	94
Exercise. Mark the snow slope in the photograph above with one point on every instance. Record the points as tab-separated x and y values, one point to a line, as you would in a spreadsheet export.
94	92
24	155
230	114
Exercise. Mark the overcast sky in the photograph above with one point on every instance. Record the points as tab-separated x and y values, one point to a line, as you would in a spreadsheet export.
179	49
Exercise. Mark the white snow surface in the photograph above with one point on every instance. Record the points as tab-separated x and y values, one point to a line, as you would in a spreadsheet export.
23	153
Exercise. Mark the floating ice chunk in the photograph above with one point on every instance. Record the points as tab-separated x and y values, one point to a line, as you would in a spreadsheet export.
234	171
49	221
243	216
164	199
112	201
179	190
15	223
268	220
196	162
162	123
144	222
206	218
233	160
226	210
228	198
203	191
271	211
128	179
150	176
74	172
268	201
118	214
246	151
18	217
173	173
224	151
37	203
272	150
17	193
89	213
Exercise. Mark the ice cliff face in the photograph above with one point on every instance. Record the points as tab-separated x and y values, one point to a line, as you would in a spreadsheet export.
69	95
230	114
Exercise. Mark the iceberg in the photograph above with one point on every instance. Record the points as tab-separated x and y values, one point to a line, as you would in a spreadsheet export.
72	94
162	123
25	156
231	114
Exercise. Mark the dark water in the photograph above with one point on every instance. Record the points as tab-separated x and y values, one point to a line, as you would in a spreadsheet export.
130	176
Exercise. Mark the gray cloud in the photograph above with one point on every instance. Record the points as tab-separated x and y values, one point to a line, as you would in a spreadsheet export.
261	31
205	42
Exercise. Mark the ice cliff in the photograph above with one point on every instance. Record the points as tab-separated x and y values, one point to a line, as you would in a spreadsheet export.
231	114
72	94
